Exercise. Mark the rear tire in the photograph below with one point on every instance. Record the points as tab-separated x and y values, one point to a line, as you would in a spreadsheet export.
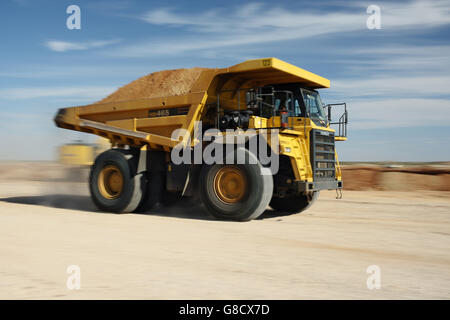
239	192
113	182
294	204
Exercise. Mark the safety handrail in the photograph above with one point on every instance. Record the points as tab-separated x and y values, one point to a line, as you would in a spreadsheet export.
342	121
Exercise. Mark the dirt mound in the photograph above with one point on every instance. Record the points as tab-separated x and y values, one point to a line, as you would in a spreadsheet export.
360	179
157	84
396	179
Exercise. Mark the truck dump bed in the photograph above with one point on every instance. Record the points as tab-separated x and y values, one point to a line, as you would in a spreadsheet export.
148	110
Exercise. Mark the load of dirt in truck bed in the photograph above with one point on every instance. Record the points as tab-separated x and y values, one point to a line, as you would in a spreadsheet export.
158	84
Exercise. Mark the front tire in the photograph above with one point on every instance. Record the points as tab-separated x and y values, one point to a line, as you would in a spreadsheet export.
239	192
114	184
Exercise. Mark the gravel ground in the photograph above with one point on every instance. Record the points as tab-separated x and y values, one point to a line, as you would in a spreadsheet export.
182	253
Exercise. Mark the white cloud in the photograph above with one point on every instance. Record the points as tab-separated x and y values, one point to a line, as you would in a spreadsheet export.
55	71
256	23
406	60
393	101
56	92
371	114
61	46
392	86
414	14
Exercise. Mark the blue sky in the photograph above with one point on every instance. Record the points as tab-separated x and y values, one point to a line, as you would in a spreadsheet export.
395	80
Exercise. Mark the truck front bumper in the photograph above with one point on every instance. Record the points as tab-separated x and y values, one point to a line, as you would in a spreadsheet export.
304	186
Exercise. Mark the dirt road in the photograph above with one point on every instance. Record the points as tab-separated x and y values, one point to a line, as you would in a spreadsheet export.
181	252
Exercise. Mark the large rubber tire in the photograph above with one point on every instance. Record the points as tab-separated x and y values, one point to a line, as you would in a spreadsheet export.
258	191
294	204
133	186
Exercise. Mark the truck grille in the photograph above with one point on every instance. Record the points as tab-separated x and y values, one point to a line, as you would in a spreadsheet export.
322	155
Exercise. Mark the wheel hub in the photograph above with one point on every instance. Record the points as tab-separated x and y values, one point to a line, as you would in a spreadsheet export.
230	184
110	182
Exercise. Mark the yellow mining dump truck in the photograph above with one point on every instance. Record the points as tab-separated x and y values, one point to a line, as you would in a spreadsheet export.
82	154
240	138
78	156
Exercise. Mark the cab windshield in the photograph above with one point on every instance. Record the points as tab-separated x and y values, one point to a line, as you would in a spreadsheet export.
314	106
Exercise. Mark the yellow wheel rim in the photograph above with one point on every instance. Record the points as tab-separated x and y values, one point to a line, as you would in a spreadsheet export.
230	184
110	182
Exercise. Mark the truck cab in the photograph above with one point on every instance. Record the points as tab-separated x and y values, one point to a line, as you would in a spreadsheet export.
306	133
